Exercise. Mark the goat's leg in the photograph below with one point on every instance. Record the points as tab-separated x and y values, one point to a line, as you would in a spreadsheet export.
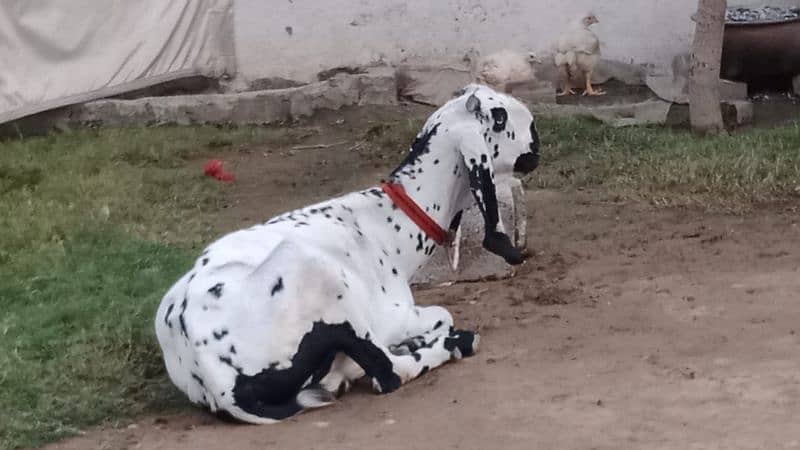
430	351
430	342
424	325
344	372
390	369
424	319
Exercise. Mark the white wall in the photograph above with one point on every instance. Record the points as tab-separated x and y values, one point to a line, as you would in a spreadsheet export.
330	33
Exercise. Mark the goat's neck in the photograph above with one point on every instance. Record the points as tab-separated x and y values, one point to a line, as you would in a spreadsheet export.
438	183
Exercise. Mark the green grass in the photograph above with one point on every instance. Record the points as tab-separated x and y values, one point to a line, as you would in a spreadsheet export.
76	336
671	167
96	225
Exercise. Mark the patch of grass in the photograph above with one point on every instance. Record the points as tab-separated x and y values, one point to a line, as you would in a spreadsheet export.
76	336
671	167
136	179
96	225
390	141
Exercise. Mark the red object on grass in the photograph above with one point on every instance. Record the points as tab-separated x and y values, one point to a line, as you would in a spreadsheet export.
213	168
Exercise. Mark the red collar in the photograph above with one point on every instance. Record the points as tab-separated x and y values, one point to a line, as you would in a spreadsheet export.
397	193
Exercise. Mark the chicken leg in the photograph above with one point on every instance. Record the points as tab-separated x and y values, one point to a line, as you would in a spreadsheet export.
566	89
589	89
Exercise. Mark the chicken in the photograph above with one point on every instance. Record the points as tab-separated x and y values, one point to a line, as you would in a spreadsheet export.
502	70
577	51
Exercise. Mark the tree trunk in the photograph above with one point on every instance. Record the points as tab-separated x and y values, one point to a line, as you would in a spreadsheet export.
704	103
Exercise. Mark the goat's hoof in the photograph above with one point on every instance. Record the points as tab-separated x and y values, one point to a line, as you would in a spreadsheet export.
462	344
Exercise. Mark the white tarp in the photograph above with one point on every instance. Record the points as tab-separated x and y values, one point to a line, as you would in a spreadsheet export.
59	52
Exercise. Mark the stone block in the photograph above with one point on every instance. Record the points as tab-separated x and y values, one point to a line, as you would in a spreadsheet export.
648	112
375	87
431	85
732	91
675	89
734	114
605	71
378	86
535	93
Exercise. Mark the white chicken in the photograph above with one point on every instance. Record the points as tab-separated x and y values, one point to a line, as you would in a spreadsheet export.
502	70
576	52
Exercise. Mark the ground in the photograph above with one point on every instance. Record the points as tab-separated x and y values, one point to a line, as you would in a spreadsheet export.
632	326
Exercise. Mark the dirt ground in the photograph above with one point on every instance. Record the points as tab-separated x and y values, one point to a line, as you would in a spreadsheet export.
630	327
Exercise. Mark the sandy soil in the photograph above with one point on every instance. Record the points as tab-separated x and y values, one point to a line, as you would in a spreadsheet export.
630	327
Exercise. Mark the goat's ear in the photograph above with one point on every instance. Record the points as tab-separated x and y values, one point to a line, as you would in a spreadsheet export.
481	181
473	104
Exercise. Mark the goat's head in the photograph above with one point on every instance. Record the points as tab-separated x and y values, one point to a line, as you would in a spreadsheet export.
500	138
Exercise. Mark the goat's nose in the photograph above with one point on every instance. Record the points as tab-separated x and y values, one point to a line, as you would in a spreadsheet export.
527	162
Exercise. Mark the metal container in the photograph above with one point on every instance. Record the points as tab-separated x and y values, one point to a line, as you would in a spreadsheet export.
753	50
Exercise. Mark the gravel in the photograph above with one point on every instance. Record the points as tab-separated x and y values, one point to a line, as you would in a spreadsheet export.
765	14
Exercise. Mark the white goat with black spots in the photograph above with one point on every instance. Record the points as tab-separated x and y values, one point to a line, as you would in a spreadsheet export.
282	316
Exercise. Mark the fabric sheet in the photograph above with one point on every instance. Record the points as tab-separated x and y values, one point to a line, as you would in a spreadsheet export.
59	52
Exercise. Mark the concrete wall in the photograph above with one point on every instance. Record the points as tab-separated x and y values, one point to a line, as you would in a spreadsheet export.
296	39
